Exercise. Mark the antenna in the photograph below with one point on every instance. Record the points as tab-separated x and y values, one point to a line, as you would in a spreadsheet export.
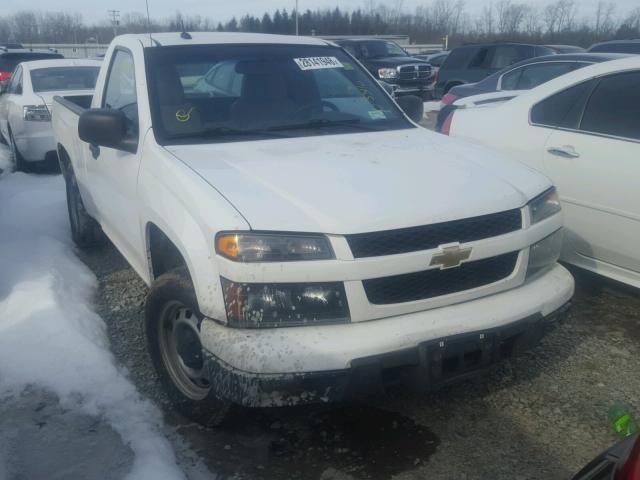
149	22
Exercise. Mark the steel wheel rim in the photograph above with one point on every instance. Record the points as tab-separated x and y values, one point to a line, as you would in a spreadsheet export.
191	382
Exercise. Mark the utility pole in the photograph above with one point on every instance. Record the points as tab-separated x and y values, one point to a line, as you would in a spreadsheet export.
297	24
115	20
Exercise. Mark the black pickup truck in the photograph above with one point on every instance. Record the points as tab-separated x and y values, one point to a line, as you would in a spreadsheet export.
388	62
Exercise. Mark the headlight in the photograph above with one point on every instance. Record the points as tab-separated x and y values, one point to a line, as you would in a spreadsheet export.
387	73
263	305
36	113
545	253
544	205
272	247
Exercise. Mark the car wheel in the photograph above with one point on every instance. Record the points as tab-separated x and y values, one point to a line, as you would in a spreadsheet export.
19	163
85	231
172	326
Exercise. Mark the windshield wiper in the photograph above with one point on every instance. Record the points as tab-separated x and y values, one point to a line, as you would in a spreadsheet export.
318	122
222	131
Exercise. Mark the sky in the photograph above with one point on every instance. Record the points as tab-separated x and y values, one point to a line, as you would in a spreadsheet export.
222	10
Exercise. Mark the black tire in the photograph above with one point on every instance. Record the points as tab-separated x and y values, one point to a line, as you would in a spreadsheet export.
172	322
19	163
85	231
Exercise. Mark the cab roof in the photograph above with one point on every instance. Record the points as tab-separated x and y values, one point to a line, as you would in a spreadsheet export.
209	38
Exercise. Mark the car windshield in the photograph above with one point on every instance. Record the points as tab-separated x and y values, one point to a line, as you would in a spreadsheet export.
64	78
379	49
243	92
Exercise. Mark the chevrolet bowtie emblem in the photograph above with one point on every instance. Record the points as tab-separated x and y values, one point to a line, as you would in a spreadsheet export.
450	257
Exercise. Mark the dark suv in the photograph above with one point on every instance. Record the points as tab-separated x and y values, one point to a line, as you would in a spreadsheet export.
472	63
617	46
388	62
9	58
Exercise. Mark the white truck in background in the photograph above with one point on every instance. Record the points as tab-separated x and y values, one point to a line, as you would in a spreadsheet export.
303	239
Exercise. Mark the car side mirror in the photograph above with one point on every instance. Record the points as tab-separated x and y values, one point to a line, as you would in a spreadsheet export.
413	106
105	127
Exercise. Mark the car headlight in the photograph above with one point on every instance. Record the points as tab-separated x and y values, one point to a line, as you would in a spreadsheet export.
544	205
272	247
386	73
545	253
269	305
36	113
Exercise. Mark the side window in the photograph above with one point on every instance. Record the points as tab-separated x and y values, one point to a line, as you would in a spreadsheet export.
506	55
510	79
537	74
15	85
563	109
480	60
120	91
614	107
458	58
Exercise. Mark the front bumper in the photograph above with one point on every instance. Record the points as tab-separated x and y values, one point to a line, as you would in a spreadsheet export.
426	367
326	363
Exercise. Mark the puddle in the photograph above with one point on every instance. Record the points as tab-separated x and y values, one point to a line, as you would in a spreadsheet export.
310	443
366	442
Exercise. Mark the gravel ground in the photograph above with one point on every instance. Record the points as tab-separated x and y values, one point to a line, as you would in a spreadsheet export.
542	415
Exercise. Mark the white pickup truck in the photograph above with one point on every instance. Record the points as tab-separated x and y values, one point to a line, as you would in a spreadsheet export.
303	239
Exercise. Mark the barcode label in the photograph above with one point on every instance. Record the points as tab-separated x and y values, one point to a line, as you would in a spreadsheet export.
317	63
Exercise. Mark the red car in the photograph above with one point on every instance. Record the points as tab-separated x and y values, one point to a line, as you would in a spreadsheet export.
620	462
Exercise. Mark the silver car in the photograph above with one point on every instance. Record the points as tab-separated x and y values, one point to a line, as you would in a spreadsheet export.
25	102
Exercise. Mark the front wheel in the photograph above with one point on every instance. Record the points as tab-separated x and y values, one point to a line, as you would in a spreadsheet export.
172	326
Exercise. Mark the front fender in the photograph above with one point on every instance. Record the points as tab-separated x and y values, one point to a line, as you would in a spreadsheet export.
189	212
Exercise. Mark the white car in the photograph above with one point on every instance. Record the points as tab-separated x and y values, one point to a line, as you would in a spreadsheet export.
583	131
304	241
25	103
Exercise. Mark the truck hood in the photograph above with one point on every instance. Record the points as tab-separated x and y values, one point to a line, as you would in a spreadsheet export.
362	182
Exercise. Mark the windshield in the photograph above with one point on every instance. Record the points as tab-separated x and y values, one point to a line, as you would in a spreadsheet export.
221	93
64	78
377	49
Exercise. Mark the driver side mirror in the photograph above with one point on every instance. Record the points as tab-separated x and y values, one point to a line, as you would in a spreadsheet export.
105	127
413	106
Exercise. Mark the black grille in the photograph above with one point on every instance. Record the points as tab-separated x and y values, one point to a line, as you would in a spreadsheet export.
413	239
434	283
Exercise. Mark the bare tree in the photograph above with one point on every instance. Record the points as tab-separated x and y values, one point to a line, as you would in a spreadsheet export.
604	23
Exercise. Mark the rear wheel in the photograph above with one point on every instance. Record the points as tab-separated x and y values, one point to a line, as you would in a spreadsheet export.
85	231
172	325
19	163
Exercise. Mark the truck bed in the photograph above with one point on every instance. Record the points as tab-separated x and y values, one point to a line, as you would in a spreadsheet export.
65	113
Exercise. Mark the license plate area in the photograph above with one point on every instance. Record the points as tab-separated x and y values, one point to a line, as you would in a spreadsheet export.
453	359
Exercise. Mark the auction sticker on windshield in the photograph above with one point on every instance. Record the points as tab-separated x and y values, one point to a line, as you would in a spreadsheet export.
317	63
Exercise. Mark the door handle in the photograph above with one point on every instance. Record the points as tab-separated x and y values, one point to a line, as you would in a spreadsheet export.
567	151
95	150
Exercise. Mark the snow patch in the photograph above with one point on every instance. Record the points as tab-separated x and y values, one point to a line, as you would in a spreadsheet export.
49	334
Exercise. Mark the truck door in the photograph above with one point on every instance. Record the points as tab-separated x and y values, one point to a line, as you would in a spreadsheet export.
113	173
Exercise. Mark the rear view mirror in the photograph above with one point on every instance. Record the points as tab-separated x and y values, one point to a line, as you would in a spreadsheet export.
105	127
413	106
